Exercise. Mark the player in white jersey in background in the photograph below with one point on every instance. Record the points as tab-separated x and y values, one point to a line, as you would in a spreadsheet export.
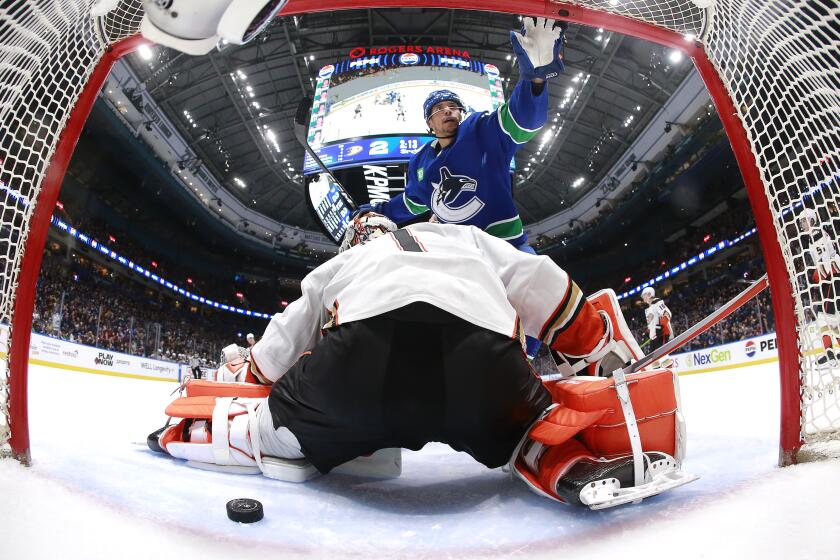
825	280
658	320
415	335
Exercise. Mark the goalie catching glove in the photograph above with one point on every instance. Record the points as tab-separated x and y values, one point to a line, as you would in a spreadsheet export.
539	48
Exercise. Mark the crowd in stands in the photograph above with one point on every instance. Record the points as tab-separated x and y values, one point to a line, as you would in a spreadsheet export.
83	301
255	297
693	299
96	302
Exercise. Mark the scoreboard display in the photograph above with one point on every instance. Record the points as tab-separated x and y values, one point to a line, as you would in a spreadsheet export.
367	121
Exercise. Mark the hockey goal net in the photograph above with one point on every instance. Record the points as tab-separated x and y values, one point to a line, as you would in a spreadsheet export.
772	68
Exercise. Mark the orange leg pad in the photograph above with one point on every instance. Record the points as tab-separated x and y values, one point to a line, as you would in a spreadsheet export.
654	398
192	407
204	388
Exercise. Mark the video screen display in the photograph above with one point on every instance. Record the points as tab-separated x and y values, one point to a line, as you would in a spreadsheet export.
375	114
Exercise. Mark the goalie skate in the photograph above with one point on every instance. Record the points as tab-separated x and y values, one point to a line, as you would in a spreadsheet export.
603	484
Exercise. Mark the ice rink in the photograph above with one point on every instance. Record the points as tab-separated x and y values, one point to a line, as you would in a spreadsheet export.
96	491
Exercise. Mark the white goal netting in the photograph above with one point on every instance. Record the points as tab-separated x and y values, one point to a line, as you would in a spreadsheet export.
779	61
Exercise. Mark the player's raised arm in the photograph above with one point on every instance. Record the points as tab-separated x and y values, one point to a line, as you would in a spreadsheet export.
539	52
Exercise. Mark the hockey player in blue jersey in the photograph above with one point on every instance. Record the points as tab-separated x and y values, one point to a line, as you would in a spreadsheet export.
463	175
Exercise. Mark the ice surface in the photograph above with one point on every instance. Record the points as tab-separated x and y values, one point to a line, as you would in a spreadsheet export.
96	491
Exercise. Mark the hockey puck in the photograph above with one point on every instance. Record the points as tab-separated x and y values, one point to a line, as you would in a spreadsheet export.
244	510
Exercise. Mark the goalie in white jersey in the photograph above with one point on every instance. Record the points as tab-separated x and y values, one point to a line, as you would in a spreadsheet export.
825	278
415	335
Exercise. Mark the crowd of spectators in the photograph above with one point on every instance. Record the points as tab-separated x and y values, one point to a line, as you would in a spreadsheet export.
256	295
83	301
656	178
692	300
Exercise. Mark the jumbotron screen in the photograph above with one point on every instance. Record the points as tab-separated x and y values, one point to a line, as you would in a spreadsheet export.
367	121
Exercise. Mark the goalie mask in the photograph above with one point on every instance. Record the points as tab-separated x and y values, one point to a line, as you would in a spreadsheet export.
196	26
362	229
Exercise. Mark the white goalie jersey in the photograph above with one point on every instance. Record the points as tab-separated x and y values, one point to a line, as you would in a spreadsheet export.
459	269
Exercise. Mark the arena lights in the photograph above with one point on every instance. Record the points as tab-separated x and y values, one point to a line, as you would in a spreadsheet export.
14	194
92	243
145	52
689	263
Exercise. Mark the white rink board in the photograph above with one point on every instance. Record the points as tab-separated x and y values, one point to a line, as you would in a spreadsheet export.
57	353
752	351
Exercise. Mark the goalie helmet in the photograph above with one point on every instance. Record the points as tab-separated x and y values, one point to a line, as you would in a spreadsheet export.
808	219
364	228
196	26
648	294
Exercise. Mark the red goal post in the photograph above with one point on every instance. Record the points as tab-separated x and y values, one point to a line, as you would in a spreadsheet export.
771	67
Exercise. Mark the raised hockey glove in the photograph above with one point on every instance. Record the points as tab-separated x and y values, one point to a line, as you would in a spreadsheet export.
539	48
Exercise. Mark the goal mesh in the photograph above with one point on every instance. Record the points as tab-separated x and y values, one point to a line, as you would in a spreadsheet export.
778	60
48	50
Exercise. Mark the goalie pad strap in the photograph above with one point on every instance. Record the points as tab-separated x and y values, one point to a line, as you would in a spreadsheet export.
632	426
221	444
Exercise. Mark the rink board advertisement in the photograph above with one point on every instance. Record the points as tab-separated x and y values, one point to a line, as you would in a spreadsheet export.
753	351
53	352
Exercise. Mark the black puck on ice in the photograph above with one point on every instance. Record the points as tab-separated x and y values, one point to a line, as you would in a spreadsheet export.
244	510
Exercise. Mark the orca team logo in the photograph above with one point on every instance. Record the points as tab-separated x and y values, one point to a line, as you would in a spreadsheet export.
749	349
409	59
451	198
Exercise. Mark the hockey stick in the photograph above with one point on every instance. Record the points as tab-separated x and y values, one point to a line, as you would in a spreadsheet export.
303	111
699	328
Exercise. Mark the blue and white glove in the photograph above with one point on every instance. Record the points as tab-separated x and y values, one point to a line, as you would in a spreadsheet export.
539	48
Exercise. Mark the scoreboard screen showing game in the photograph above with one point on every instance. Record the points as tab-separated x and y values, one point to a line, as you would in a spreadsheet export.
375	113
367	121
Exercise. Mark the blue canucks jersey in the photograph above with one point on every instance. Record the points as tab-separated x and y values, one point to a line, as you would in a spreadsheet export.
469	181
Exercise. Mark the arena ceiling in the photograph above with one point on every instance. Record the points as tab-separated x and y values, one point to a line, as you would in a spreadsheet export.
613	86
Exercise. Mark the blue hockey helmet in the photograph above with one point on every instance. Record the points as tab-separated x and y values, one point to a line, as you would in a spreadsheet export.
440	96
